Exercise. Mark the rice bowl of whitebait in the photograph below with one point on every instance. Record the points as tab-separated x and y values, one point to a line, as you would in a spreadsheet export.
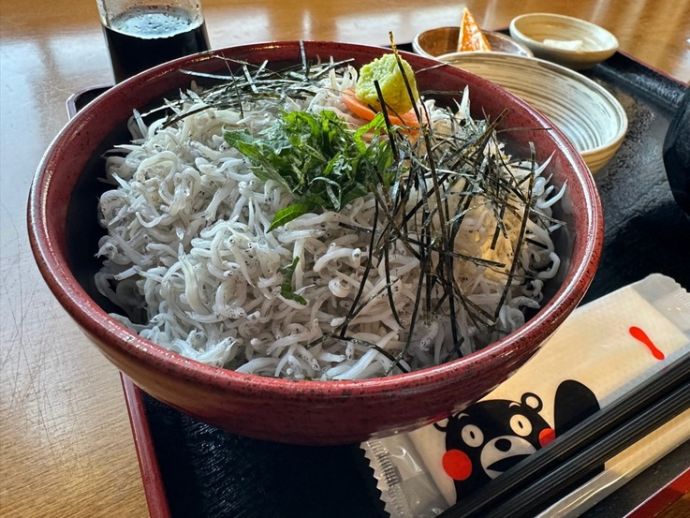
296	244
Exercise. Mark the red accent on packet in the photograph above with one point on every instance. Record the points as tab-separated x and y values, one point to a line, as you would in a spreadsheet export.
640	335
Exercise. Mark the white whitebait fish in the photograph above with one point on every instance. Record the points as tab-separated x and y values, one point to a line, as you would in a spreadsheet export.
390	282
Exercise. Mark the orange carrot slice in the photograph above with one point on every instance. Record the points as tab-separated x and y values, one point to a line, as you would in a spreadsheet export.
361	110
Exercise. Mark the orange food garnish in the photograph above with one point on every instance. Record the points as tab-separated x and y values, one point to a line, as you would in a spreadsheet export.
471	37
361	110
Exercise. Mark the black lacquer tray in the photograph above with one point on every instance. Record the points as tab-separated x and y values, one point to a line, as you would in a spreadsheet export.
193	469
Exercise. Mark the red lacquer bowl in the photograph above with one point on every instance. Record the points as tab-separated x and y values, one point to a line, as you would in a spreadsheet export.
64	231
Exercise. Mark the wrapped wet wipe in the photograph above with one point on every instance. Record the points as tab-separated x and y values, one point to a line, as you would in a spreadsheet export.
603	349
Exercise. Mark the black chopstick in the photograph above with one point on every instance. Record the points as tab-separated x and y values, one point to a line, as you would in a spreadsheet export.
599	437
538	495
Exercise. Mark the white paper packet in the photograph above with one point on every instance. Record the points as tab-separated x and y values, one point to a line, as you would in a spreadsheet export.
601	351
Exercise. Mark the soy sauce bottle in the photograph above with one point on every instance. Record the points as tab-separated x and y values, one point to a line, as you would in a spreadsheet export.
141	34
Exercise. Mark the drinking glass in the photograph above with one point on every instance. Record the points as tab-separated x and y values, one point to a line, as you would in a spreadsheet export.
141	33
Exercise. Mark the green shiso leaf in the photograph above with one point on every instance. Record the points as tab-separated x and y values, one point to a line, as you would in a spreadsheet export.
318	158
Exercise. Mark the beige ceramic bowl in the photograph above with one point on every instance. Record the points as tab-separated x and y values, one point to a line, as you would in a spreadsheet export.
593	120
441	40
569	41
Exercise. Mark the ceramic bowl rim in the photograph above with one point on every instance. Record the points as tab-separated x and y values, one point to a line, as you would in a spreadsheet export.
98	324
418	49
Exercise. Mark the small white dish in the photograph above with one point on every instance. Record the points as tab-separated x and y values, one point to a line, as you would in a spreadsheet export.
593	120
569	41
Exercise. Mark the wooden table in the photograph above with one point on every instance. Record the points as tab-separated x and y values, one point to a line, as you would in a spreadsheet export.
67	449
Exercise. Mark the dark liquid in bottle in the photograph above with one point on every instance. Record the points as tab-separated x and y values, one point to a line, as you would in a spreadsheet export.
146	36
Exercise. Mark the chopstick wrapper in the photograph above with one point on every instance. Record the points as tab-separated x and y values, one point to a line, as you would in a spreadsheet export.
600	352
